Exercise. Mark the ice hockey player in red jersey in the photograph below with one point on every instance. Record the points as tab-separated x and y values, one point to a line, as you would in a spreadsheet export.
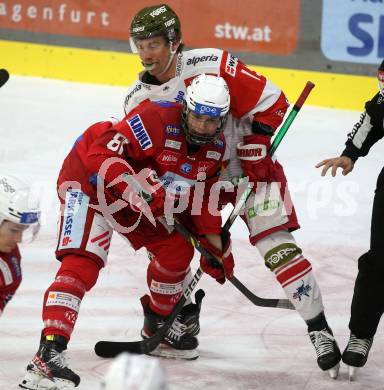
161	149
257	109
19	222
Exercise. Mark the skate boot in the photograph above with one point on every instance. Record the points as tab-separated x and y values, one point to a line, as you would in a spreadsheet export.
177	343
48	369
356	353
327	350
190	314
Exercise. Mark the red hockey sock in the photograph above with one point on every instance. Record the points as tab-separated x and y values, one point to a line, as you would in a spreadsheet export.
62	299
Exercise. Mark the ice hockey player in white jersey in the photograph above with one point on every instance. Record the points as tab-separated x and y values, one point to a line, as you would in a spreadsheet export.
257	109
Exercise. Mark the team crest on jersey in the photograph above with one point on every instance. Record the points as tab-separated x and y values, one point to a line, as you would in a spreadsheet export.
173	130
219	143
139	131
167	157
186	168
213	154
170	143
231	65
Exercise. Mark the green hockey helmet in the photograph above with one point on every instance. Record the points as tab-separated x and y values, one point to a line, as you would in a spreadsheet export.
157	20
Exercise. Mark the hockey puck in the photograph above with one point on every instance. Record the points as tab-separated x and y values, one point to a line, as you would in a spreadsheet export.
4	76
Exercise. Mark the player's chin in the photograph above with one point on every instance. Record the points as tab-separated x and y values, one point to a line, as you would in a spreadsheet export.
8	248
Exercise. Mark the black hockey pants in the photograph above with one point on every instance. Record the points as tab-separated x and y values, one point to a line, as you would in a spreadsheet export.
368	297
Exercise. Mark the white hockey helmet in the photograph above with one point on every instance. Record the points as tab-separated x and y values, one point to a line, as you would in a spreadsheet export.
207	95
17	204
134	372
380	76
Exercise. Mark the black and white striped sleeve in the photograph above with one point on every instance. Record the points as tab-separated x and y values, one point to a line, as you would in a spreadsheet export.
367	131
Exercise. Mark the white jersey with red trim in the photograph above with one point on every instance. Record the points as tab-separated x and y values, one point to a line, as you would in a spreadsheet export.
253	97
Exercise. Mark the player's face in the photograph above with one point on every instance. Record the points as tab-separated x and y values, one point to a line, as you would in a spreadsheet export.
154	54
10	235
202	124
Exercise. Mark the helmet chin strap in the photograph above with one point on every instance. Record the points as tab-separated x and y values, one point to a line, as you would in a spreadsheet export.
172	53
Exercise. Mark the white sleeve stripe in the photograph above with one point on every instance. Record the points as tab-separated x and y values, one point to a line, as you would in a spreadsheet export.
362	132
267	99
7	274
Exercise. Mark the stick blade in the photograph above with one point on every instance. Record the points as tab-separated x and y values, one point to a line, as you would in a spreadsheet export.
110	349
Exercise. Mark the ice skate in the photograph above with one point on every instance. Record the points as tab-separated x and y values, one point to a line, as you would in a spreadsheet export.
327	351
48	369
177	344
356	353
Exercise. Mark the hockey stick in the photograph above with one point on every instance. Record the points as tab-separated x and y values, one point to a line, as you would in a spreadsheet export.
276	142
4	76
108	349
258	301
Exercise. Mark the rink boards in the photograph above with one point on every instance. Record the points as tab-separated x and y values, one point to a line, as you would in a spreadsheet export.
115	68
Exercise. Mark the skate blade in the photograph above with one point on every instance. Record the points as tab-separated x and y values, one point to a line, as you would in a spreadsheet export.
62	384
334	371
36	381
352	371
167	352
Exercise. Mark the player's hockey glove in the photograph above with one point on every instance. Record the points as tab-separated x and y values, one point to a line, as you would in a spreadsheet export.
218	271
255	161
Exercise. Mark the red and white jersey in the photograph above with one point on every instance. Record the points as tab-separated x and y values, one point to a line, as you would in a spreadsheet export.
253	97
10	276
151	136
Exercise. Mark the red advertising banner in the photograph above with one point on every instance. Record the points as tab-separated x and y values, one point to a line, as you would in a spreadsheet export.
249	25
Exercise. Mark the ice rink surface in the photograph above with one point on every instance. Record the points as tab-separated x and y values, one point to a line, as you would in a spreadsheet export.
241	346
